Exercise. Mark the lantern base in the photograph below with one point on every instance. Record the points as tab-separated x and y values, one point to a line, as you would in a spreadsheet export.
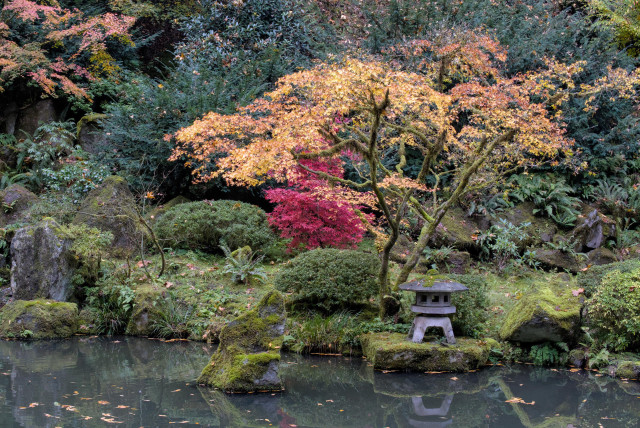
421	323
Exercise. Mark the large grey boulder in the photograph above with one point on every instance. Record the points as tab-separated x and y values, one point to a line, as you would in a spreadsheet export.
248	357
42	264
32	117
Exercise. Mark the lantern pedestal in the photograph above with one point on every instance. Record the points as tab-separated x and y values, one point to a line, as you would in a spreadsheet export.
421	323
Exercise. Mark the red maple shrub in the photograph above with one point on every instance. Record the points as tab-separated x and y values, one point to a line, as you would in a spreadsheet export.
312	212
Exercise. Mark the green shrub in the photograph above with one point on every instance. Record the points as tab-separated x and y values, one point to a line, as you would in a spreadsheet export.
329	278
591	279
201	225
614	311
471	306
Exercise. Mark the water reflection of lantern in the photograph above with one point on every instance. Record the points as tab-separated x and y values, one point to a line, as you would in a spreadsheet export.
420	410
432	306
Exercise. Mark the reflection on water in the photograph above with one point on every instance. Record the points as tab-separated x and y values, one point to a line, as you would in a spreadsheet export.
90	382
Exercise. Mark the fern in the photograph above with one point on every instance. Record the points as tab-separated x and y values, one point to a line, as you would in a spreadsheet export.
242	264
549	354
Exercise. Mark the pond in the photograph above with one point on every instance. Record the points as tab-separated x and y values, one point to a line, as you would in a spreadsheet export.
135	382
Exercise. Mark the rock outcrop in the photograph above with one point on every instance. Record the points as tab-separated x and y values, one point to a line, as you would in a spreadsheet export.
147	310
15	202
248	356
557	259
544	315
592	230
38	319
111	207
42	264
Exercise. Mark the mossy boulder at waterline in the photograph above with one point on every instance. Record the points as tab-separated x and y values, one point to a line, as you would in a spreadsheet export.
147	310
15	202
248	356
38	319
544	315
42	263
111	207
393	351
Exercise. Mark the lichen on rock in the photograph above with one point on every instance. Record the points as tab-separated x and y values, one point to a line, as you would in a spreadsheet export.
544	315
38	319
248	356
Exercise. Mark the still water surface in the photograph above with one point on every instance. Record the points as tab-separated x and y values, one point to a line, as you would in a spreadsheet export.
132	382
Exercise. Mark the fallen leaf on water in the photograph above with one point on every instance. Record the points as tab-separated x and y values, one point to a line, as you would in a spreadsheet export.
519	400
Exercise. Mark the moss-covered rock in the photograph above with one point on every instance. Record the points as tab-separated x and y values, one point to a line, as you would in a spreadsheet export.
557	260
249	353
15	202
42	263
456	230
392	351
38	319
111	207
601	256
628	369
544	315
146	311
578	357
539	229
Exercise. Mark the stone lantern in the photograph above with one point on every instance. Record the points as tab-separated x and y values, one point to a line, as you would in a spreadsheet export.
432	307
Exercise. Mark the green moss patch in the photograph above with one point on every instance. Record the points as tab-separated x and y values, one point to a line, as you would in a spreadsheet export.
38	319
543	315
392	351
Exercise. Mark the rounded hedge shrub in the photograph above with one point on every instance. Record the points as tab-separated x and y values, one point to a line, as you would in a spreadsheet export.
614	311
471	306
201	225
591	279
330	279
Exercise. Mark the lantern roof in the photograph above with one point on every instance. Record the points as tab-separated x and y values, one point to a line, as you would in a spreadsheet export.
438	286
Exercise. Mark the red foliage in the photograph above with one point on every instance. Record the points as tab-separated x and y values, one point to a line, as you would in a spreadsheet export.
314	214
